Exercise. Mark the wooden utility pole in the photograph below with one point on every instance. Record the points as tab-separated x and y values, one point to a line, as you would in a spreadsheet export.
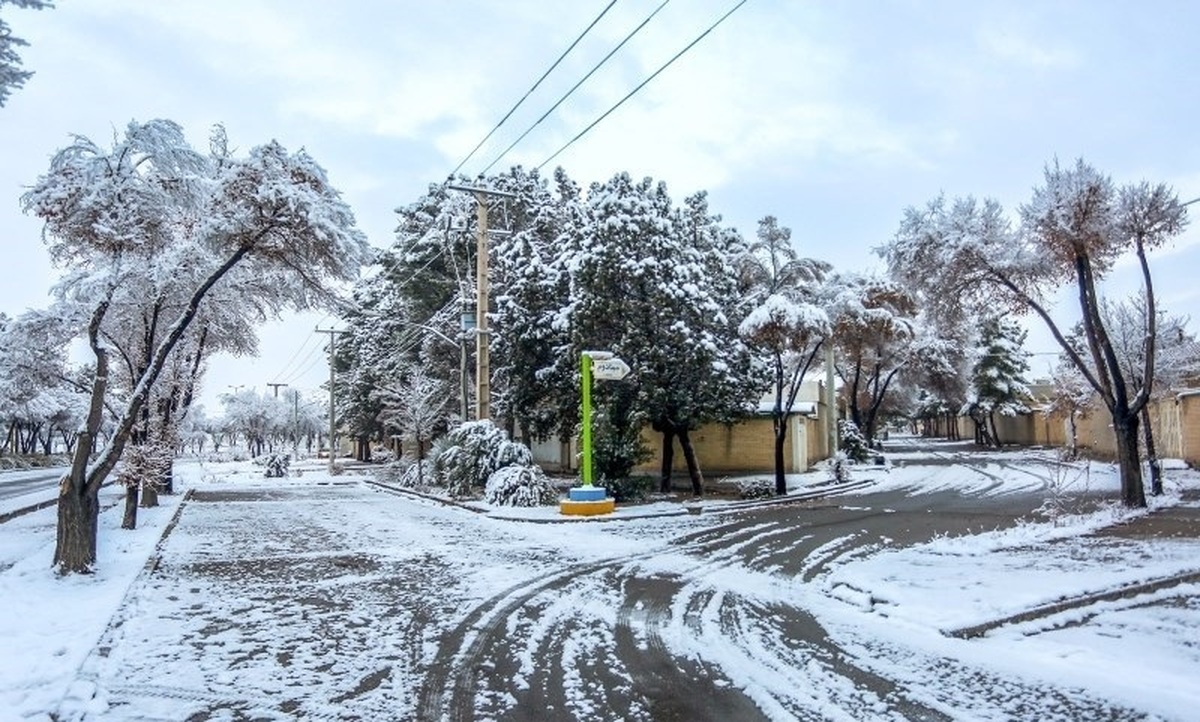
483	385
275	388
332	417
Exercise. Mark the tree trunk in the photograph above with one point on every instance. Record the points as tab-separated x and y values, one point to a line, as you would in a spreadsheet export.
167	485
1156	485
150	496
1133	494
78	512
129	520
995	433
78	504
780	438
420	462
668	460
689	455
1074	440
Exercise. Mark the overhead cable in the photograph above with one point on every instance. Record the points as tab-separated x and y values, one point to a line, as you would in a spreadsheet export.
575	87
533	88
641	85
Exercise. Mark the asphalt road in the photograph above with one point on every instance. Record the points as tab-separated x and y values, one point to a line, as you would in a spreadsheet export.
20	483
477	661
280	604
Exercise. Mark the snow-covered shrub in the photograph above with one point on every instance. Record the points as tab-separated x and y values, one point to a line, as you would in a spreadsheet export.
473	452
382	455
276	465
852	442
839	467
519	485
756	488
617	447
418	475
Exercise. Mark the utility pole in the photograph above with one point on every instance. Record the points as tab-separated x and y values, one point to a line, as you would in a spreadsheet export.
275	388
332	418
830	400
483	389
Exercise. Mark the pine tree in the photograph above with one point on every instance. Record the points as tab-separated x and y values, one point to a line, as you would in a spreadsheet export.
998	384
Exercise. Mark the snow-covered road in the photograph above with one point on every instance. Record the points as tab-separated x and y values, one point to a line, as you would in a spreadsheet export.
329	598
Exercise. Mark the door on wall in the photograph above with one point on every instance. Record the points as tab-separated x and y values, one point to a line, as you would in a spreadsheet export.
799	444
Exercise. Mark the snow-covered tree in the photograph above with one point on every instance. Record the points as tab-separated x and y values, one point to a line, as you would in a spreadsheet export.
643	286
998	384
940	372
772	266
790	333
874	332
1075	227
11	75
530	290
416	408
112	213
1176	358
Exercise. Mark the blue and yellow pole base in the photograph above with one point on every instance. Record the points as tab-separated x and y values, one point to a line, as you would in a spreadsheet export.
586	500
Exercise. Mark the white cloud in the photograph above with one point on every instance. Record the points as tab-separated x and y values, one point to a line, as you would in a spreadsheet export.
1012	46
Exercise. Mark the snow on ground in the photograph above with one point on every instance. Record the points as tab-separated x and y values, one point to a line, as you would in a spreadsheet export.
893	609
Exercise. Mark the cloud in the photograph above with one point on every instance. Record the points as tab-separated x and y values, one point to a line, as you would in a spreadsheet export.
1011	47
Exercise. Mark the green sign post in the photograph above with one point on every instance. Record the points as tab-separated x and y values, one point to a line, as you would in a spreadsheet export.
585	362
607	368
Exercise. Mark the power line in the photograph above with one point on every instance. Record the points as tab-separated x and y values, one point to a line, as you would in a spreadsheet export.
305	365
642	84
295	355
535	85
574	87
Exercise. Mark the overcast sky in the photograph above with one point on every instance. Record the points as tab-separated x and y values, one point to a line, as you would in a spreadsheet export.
831	116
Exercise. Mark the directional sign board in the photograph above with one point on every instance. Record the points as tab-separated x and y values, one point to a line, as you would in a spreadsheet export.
609	369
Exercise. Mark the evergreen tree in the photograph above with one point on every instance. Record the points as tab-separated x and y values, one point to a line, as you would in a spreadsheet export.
998	384
530	291
643	287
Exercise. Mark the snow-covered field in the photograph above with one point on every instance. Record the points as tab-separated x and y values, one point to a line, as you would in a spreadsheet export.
321	597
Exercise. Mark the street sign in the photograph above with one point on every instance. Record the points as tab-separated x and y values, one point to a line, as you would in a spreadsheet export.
610	369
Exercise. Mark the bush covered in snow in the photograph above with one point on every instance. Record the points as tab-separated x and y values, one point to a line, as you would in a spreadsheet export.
472	453
276	465
418	475
392	472
756	488
519	485
617	447
382	455
852	442
839	467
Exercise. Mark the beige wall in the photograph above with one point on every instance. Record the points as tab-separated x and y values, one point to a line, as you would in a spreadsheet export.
748	447
1176	423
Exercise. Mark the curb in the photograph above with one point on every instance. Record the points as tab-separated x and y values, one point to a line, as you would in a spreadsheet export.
813	493
1127	591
